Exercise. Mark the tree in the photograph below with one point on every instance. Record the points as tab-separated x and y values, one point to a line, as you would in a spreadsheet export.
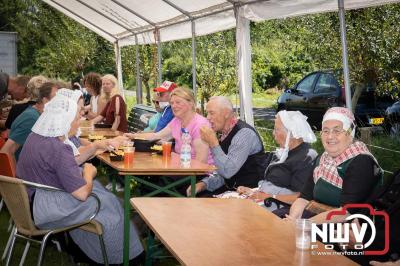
148	66
216	72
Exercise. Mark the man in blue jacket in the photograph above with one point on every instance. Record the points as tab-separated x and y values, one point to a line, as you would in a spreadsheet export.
163	94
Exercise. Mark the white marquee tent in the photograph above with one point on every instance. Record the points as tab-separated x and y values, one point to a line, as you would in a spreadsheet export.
135	22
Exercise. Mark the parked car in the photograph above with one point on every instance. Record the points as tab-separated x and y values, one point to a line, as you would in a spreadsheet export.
320	90
392	119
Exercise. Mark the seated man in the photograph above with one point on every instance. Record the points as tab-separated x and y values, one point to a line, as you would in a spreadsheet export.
238	153
291	163
15	87
163	95
151	120
22	126
31	88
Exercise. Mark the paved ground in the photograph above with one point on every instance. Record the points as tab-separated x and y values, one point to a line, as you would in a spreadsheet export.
264	113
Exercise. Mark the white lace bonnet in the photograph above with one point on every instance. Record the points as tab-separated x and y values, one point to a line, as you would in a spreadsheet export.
56	119
296	123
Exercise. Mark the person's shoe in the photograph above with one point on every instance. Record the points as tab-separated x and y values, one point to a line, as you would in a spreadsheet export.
109	186
119	188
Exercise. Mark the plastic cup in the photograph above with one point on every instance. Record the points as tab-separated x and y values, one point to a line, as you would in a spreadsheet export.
127	143
166	148
129	154
303	234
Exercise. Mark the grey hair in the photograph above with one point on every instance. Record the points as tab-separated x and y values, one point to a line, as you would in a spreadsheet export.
33	86
223	102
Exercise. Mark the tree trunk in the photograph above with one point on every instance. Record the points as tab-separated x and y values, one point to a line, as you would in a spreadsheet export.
356	96
202	103
148	96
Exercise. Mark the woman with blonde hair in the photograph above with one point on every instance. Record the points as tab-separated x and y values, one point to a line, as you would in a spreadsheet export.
114	113
183	106
109	84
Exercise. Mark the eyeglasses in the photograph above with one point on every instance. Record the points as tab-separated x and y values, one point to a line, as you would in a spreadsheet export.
335	131
160	94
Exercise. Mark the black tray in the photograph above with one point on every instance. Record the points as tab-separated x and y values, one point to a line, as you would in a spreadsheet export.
142	145
101	125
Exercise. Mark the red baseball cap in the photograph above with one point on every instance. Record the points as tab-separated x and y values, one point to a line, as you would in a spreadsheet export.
166	86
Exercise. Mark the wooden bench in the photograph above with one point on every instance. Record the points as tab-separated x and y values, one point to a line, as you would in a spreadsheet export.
134	122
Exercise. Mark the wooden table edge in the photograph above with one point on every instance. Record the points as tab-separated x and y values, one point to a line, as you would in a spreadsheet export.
182	172
162	173
155	232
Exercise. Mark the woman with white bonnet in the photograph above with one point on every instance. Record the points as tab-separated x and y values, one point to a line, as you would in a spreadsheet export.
84	149
48	160
291	164
345	173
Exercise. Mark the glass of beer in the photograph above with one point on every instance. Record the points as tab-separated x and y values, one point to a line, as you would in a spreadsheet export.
129	153
166	148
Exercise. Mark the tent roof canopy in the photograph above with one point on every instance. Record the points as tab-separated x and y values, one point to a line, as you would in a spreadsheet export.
121	20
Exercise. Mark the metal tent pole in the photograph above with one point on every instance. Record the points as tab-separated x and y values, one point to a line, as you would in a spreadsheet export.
243	57
159	58
118	63
139	93
344	54
194	86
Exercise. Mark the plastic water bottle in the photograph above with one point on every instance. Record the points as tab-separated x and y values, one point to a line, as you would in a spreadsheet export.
186	149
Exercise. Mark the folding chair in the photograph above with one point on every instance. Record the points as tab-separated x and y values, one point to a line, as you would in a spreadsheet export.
13	191
7	168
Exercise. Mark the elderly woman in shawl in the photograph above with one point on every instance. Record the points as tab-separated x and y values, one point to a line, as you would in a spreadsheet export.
345	173
291	163
48	159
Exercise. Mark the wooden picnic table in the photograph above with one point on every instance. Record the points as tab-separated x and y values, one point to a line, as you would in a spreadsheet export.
86	130
107	133
152	164
201	231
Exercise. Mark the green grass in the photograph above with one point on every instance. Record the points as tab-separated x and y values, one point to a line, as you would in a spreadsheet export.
51	255
266	99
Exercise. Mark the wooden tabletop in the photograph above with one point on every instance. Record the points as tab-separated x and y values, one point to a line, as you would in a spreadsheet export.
105	132
86	130
146	163
200	231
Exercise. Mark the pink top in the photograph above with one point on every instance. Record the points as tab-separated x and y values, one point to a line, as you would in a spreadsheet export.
194	130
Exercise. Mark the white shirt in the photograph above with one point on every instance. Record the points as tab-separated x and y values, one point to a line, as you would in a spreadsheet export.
93	103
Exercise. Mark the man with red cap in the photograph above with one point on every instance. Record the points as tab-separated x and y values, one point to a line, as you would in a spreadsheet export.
162	95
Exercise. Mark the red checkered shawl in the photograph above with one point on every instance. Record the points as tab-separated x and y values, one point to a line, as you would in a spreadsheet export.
327	168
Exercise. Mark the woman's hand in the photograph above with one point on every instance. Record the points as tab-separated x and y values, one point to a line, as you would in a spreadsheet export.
118	141
199	187
258	195
244	190
130	135
289	218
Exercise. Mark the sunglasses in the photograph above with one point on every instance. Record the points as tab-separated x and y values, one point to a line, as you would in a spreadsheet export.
160	94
